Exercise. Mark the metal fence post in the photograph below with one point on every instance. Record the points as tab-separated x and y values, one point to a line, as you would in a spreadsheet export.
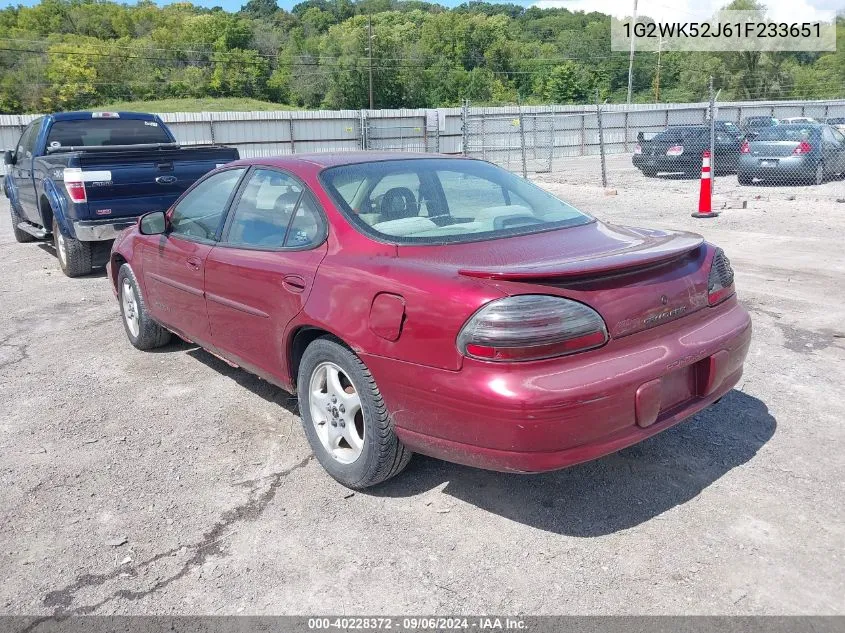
551	141
712	138
522	141
363	124
290	133
464	128
601	141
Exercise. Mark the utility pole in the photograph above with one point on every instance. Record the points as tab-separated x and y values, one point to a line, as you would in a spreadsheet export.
370	55
631	59
657	80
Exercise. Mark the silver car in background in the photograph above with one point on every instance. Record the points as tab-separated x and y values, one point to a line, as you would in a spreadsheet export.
837	121
809	152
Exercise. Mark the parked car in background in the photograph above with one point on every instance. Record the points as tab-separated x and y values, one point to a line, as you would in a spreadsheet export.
798	119
809	152
750	126
679	149
836	121
79	178
437	305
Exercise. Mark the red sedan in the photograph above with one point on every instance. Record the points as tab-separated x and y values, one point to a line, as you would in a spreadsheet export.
437	305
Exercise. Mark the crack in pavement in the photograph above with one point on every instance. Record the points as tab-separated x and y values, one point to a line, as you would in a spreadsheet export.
211	544
14	358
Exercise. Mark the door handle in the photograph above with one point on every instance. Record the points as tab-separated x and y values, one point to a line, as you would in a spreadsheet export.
293	283
193	263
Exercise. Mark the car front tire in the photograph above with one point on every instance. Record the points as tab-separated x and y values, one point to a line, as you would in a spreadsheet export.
345	418
142	331
74	256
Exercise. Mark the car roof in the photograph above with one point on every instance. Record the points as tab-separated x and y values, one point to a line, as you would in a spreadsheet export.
88	114
335	159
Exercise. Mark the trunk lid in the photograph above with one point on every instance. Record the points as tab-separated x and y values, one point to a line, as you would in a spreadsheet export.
635	278
773	149
131	182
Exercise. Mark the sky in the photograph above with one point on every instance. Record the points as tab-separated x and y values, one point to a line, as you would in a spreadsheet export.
662	10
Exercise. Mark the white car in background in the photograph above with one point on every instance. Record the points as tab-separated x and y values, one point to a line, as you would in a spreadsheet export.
798	119
836	121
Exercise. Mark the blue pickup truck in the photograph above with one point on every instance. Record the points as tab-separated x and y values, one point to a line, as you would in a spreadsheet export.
79	178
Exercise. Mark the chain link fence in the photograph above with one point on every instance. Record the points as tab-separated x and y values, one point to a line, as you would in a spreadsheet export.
755	150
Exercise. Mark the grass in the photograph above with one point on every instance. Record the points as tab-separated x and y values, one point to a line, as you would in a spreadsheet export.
206	104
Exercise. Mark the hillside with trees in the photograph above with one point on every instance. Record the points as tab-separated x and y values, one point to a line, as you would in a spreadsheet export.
74	54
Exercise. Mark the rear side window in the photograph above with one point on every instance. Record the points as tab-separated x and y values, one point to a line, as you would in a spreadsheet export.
199	213
28	138
99	132
273	212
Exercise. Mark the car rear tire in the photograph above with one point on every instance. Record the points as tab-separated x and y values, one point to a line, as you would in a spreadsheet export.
74	256
345	418
744	179
20	236
651	173
143	332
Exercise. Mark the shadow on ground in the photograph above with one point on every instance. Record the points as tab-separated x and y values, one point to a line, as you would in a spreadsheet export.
262	388
597	498
616	492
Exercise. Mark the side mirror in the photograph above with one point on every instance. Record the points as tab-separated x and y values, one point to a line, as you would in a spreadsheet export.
8	157
153	223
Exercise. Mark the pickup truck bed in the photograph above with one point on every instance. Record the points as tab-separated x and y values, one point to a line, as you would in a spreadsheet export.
74	179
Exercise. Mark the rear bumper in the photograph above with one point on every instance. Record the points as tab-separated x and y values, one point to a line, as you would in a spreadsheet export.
540	416
783	167
101	230
645	162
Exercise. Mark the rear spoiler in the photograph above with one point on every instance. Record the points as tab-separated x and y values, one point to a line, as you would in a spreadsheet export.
676	246
116	148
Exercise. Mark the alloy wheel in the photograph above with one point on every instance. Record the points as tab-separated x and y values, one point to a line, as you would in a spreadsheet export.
336	412
130	308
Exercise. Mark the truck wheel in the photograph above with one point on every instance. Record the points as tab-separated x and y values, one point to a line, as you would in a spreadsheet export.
74	256
20	236
345	418
143	332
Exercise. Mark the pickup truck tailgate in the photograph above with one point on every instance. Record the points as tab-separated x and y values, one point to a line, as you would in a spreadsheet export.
131	183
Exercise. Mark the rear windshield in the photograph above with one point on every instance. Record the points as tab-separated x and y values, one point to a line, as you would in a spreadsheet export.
96	132
433	200
675	134
796	133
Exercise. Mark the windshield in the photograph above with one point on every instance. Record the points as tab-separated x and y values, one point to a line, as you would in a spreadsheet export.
796	133
97	132
433	200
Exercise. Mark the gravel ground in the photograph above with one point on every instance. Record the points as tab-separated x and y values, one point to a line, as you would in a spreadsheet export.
169	483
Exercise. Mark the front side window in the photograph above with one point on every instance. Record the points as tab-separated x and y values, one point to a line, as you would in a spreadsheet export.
435	200
273	212
199	213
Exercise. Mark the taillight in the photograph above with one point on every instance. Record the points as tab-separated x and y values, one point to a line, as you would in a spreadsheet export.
531	327
675	150
803	148
638	149
74	184
720	284
745	148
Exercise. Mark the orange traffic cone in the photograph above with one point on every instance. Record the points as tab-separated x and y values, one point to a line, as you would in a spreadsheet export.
705	196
